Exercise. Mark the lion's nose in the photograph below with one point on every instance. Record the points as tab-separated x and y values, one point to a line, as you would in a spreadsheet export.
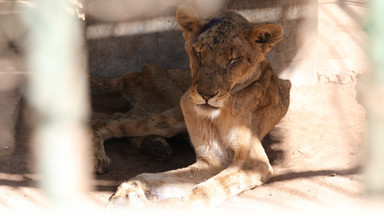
208	96
207	87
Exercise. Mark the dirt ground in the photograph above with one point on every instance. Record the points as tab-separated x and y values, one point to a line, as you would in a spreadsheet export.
317	152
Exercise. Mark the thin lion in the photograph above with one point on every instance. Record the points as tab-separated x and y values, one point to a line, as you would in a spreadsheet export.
233	100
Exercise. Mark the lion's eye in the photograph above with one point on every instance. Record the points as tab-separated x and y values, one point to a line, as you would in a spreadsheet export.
233	61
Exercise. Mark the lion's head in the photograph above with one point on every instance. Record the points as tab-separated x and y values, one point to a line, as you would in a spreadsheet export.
225	52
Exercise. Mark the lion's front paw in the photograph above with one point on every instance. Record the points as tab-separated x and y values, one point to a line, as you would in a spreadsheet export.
101	163
129	194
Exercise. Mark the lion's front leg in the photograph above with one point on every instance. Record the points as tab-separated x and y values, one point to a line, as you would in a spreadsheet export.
157	188
197	185
248	170
100	161
165	124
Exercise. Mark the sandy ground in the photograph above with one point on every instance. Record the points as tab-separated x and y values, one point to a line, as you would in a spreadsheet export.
316	151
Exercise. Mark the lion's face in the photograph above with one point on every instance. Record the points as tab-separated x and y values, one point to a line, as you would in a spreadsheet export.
225	54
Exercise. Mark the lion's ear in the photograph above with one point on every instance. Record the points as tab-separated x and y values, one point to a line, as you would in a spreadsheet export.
188	21
265	36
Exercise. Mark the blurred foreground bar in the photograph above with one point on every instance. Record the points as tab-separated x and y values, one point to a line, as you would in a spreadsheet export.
374	100
57	92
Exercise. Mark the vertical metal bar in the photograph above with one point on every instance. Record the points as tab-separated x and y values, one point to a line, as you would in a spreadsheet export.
374	100
57	92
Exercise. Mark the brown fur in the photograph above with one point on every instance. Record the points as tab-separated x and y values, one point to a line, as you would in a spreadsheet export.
154	95
233	101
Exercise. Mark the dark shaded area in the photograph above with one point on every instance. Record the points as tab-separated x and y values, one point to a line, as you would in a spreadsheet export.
19	162
109	103
116	55
314	173
252	4
272	146
127	161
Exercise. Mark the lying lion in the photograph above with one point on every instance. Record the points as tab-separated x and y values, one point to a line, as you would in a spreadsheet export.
233	100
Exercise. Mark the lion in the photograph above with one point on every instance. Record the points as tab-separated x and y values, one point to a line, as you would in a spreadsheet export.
232	101
155	114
